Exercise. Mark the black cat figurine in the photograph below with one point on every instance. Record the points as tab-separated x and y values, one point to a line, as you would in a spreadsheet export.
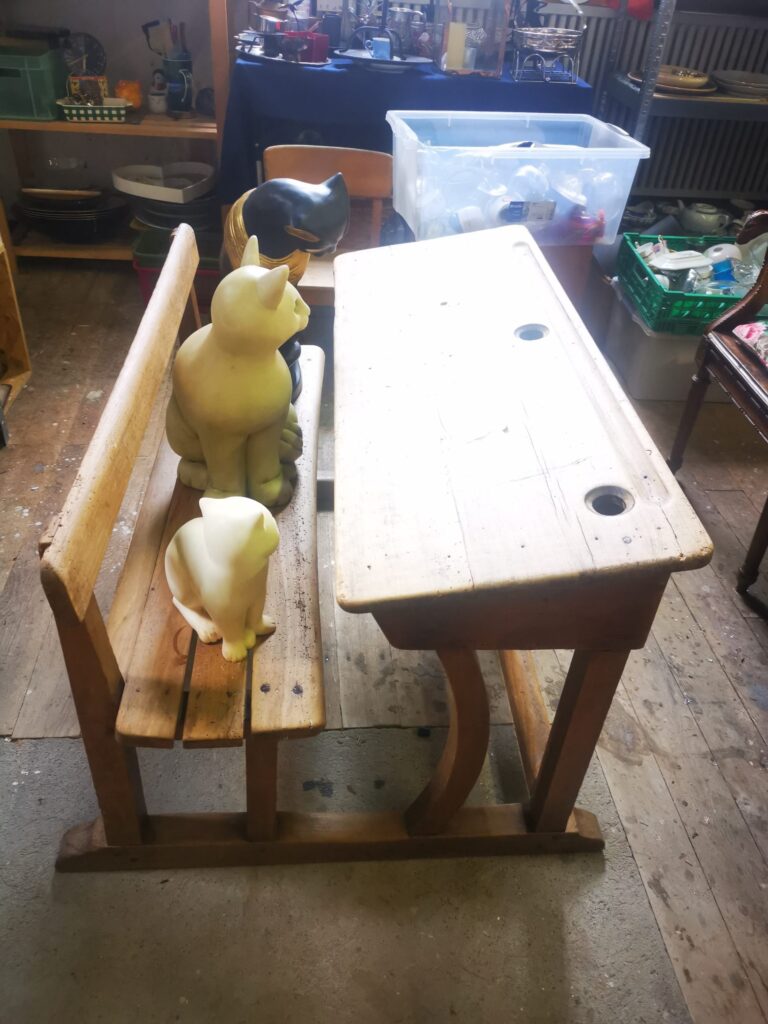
292	220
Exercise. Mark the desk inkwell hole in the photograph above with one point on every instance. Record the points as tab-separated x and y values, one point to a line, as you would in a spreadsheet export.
531	332
609	501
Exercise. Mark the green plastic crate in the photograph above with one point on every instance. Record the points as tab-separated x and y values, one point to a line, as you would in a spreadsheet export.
668	312
151	247
32	78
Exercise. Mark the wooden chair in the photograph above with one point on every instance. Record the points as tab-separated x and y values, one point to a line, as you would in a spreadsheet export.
722	358
368	176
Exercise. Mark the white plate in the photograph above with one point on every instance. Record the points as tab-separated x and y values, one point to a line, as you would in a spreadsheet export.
689	259
741	79
151	182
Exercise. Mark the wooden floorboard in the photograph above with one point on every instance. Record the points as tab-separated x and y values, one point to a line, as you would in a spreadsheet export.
684	750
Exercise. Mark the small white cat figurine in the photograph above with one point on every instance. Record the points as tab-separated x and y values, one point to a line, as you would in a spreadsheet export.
216	569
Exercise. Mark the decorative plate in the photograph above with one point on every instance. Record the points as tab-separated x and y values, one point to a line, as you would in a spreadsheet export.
681	89
673	74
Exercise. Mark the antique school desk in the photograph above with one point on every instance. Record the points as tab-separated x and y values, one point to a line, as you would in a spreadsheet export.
494	490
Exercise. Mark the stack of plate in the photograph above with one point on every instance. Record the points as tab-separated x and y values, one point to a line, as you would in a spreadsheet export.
79	216
749	85
674	80
202	214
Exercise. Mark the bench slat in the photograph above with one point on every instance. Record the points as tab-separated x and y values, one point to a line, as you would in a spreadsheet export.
154	641
215	715
149	711
287	690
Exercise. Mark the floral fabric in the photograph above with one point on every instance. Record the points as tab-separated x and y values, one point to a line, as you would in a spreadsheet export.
754	337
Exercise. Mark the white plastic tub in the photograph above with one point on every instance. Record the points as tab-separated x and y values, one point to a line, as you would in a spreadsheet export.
459	171
652	366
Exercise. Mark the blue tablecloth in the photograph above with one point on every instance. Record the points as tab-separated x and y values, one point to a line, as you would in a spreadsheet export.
342	104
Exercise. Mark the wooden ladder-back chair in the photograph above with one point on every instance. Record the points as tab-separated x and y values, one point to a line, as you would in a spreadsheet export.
722	358
140	679
367	174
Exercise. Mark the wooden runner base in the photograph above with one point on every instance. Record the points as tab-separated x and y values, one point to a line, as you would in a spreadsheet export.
218	840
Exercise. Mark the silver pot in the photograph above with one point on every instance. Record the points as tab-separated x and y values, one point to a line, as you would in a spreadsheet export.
267	24
407	24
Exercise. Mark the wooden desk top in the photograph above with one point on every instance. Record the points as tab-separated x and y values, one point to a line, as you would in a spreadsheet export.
465	452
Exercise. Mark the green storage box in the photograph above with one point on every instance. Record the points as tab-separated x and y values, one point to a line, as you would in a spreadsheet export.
151	247
668	312
150	250
32	78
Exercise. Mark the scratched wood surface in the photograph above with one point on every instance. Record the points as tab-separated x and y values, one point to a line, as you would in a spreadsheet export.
471	432
684	750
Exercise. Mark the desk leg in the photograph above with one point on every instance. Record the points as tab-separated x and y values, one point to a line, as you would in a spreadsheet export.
587	694
465	748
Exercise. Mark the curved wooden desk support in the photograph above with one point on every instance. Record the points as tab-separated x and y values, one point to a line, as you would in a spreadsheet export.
465	748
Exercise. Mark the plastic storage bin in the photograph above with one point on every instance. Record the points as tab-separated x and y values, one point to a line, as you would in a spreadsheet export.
566	177
662	309
32	78
652	366
150	250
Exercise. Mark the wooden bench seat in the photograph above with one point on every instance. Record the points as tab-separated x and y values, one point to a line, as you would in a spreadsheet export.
184	689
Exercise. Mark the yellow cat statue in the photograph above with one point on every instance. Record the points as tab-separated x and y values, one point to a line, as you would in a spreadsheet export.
216	569
230	416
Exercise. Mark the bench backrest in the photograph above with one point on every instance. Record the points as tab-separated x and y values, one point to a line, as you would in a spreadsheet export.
73	550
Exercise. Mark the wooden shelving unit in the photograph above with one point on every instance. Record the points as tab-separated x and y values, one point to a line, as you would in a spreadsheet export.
158	126
35	243
711	106
148	126
16	367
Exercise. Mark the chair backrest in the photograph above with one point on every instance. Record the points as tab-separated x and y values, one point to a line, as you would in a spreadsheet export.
367	174
73	551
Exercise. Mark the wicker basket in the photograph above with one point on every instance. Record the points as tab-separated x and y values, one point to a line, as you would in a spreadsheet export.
547	40
542	53
111	110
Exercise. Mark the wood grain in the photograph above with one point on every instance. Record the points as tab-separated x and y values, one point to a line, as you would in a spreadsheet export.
154	683
13	344
708	967
465	747
468	490
287	692
219	840
136	575
215	710
72	561
367	174
331	677
96	683
529	710
587	694
261	786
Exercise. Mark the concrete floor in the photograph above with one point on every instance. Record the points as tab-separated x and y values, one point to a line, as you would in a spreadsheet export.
547	940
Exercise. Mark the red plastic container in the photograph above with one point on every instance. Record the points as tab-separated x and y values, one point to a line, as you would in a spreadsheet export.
205	283
317	46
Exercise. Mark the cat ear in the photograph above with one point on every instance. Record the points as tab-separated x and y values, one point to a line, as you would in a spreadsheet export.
336	184
271	286
251	253
206	505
